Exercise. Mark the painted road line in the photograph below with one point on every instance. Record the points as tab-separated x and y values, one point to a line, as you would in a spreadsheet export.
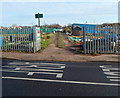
112	77
117	80
29	69
27	62
19	63
112	73
63	81
107	66
30	73
114	68
62	67
52	63
35	66
59	75
102	67
17	69
16	63
105	69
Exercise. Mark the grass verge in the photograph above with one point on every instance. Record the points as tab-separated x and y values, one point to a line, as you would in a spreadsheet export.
45	40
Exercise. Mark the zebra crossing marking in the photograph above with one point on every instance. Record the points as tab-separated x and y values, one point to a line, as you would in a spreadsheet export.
56	69
111	73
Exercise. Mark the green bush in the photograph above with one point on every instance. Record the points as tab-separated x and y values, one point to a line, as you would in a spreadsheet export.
46	41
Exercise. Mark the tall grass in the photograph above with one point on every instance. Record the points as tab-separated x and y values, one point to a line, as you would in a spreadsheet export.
46	40
60	41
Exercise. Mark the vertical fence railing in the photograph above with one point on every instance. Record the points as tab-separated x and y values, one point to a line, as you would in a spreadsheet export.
18	39
101	39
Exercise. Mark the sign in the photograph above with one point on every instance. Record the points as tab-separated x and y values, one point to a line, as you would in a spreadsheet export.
38	33
37	39
38	15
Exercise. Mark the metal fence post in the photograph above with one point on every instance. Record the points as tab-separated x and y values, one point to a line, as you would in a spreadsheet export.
84	39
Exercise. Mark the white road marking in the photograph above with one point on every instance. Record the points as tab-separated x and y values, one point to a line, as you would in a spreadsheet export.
19	63
52	64
115	80
17	69
107	66
30	73
59	75
16	63
102	67
62	81
29	69
27	62
105	69
112	73
33	66
114	68
113	77
62	67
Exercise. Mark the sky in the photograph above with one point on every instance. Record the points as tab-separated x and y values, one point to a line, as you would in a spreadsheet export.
61	12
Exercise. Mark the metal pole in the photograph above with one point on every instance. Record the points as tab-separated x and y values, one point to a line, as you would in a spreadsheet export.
38	22
84	42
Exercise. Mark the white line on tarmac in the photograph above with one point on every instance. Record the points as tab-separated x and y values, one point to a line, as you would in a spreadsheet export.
27	62
105	69
16	63
115	80
102	67
19	63
62	81
112	73
59	75
113	77
52	63
61	67
35	66
17	69
114	68
31	71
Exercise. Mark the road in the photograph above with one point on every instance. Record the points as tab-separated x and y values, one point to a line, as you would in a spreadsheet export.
47	78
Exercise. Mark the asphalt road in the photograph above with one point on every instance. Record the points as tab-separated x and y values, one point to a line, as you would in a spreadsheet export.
47	78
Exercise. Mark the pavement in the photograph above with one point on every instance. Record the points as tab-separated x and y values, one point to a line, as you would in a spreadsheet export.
53	53
59	57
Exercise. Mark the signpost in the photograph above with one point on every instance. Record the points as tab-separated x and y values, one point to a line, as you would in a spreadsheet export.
38	16
37	33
